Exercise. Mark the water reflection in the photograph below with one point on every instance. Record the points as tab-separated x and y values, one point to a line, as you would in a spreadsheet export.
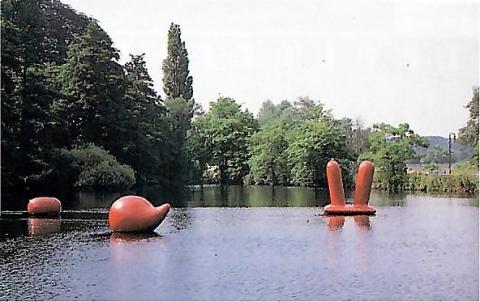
362	221
256	196
337	222
220	196
42	226
388	199
123	238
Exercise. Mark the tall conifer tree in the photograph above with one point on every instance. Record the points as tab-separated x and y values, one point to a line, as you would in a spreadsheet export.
176	79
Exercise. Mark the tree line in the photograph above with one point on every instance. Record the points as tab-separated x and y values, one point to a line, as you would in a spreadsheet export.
73	116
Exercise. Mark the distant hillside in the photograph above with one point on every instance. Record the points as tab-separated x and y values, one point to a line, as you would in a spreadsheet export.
460	151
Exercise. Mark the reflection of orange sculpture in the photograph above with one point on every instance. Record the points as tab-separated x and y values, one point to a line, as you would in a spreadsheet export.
363	221
362	190
117	238
39	226
135	214
44	205
335	222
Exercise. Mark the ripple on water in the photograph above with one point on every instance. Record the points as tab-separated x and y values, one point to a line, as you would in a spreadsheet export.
252	254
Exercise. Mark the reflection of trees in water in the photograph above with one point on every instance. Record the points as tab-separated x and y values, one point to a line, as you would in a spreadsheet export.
257	196
87	200
388	199
474	202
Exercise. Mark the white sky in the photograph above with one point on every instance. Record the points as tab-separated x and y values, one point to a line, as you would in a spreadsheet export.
380	61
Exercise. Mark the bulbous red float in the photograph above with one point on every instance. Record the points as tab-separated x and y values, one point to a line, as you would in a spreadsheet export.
44	205
135	214
362	190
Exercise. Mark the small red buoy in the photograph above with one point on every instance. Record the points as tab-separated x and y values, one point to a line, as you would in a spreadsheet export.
44	205
135	214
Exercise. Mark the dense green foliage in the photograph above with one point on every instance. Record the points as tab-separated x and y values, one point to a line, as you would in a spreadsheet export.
469	134
295	143
390	148
63	88
434	155
221	137
35	35
269	161
96	169
311	145
442	183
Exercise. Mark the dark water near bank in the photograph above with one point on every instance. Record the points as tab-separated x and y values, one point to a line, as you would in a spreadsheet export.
248	244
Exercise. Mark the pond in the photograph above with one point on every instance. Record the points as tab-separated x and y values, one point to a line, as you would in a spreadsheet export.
247	243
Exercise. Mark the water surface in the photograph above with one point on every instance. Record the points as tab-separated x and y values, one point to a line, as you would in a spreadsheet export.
417	247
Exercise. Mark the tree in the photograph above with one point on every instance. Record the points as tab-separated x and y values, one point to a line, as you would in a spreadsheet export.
90	167
390	148
180	107
434	155
269	162
310	146
92	83
308	109
469	133
31	47
225	131
146	132
302	109
177	83
356	134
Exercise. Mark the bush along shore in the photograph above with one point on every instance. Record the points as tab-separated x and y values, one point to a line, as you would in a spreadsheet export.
437	183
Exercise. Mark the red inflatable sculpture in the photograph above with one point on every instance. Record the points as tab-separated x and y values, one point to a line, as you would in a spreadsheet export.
135	214
362	190
44	205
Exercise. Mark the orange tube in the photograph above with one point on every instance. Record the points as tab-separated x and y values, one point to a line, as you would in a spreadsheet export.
335	184
44	205
135	214
363	184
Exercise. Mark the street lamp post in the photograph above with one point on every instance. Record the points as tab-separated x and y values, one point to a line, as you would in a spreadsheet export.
450	136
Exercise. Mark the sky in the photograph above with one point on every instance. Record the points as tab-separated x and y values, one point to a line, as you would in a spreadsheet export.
377	61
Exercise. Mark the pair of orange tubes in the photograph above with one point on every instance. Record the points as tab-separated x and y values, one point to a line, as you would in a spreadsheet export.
361	196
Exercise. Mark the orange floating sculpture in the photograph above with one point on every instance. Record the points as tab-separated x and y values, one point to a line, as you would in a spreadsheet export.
363	186
44	205
135	214
362	190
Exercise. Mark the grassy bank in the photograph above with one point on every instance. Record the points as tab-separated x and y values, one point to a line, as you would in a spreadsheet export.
442	183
